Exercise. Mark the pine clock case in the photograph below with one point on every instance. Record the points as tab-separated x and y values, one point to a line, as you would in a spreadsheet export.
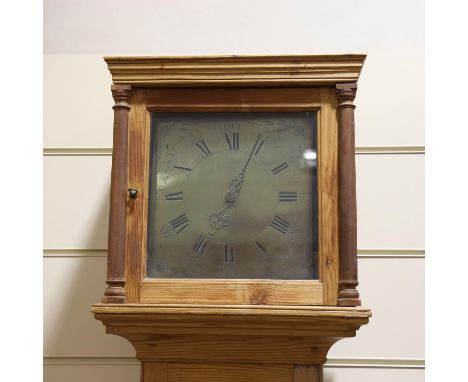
170	321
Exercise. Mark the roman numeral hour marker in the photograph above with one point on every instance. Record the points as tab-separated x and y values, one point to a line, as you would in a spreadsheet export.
179	223
203	147
284	196
278	169
199	246
279	224
175	196
232	140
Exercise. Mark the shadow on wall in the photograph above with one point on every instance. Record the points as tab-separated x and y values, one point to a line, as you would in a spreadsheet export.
70	330
327	377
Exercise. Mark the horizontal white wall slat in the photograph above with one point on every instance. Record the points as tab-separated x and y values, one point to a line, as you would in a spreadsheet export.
331	362
367	150
131	373
368	253
390	199
388	286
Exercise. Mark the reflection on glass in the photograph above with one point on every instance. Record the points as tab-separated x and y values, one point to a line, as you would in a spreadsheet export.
233	195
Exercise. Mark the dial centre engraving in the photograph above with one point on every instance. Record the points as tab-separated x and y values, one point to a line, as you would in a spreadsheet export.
251	199
230	196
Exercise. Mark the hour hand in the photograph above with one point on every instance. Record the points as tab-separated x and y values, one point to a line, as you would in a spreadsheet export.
231	195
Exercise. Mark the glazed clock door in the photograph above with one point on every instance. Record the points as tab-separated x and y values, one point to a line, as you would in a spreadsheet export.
236	197
233	195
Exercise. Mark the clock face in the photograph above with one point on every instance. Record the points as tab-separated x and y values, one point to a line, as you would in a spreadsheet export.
233	195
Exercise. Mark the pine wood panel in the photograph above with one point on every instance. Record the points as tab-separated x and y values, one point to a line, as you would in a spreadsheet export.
194	372
328	195
138	170
222	348
154	371
307	373
251	292
233	99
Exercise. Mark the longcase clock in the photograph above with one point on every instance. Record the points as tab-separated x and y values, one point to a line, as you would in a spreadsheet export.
232	231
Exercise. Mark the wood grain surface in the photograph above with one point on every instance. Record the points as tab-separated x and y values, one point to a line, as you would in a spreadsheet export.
233	99
192	372
249	292
229	372
328	195
304	70
138	173
154	371
307	373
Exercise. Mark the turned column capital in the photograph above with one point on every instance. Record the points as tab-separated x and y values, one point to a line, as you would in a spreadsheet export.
122	95
345	94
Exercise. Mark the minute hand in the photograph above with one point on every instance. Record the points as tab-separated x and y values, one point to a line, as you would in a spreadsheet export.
250	156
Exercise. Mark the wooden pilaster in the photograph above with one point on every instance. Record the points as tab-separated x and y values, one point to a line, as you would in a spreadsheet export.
348	280
115	292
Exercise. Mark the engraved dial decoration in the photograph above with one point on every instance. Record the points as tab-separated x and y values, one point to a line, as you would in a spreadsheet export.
233	195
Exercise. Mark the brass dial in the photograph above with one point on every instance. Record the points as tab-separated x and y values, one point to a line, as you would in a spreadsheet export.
233	195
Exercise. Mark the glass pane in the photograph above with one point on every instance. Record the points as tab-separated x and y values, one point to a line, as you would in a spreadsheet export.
233	195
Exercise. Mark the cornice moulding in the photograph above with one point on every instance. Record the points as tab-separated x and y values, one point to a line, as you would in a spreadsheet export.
304	70
253	320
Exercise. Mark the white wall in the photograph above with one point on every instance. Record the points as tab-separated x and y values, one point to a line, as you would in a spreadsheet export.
390	161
